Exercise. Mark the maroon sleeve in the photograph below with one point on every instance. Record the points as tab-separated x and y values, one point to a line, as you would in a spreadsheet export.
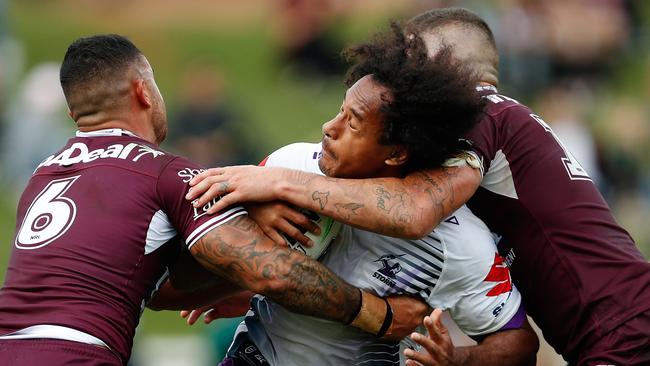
483	139
190	222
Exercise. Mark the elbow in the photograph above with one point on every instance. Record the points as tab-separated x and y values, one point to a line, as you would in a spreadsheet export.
418	231
420	225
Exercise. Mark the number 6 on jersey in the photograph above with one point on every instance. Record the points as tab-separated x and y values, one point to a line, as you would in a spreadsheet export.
48	217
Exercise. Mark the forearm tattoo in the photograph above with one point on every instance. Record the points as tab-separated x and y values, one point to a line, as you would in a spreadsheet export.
321	198
440	188
396	205
239	251
348	210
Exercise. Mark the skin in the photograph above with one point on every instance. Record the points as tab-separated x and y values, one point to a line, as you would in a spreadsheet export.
408	207
237	251
352	149
437	348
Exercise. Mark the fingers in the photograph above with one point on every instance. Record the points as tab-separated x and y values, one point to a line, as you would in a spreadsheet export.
192	316
209	317
293	232
301	220
224	202
209	189
437	330
206	173
424	357
275	235
413	363
199	186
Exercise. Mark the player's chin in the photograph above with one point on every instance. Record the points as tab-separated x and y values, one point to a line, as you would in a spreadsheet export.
326	165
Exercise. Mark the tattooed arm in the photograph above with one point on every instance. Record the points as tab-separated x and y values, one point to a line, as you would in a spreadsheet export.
407	207
240	252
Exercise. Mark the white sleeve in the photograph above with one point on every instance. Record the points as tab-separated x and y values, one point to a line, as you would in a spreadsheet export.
475	285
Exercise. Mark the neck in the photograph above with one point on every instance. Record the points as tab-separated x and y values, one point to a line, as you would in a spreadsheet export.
488	78
89	124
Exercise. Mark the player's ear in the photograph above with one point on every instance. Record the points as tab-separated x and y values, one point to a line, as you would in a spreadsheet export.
398	156
141	91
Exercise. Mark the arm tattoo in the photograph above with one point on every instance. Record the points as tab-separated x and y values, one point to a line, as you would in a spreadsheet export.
440	189
382	196
396	205
321	197
240	252
348	210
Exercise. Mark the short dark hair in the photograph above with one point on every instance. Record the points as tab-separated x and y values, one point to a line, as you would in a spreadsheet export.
433	102
95	57
435	18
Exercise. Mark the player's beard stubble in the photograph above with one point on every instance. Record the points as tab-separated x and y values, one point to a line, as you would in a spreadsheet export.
159	121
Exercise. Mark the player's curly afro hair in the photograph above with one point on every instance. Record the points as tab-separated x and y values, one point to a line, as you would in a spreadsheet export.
433	102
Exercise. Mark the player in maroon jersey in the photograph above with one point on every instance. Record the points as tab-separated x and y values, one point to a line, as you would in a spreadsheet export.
581	276
96	226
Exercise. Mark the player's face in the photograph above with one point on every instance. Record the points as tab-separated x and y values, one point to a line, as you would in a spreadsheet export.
351	147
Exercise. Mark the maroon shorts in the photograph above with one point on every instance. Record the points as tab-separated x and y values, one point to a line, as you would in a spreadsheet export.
54	352
628	344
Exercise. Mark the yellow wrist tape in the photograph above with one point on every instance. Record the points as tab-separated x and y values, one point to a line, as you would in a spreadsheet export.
372	313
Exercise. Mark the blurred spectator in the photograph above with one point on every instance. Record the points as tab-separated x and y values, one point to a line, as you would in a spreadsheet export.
203	128
304	37
576	45
625	133
565	106
11	61
37	121
521	39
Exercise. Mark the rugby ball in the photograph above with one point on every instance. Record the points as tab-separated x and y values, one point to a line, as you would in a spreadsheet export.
329	229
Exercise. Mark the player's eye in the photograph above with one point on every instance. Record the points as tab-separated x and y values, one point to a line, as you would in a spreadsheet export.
352	125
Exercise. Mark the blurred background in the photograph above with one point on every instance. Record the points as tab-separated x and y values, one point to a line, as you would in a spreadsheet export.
241	78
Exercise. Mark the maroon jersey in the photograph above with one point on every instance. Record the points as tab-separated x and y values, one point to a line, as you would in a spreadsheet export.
579	272
94	236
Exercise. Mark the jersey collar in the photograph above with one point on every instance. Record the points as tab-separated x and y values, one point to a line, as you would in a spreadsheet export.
485	87
107	132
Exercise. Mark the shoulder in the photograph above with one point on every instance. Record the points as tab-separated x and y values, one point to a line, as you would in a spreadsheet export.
502	108
301	155
464	234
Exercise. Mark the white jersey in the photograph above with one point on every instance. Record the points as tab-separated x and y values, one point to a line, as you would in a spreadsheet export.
456	267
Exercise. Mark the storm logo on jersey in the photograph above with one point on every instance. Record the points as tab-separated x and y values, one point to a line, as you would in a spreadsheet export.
388	272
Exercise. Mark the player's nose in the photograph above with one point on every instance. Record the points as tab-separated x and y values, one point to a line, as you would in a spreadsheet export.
329	129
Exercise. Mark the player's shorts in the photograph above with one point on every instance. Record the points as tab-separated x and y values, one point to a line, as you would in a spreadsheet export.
54	352
628	344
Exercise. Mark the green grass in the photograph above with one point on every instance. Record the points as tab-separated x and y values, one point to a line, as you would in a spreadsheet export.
7	226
